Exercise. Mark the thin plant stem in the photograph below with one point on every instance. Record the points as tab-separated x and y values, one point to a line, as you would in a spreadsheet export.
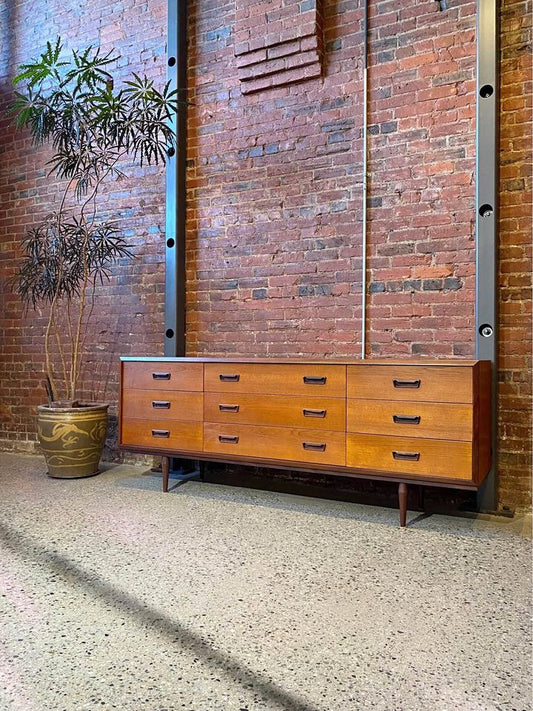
60	349
78	343
76	356
53	304
70	330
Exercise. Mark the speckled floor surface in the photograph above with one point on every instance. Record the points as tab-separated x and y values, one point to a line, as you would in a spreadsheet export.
210	598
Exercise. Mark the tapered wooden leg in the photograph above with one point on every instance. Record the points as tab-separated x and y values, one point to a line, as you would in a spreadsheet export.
165	468
402	498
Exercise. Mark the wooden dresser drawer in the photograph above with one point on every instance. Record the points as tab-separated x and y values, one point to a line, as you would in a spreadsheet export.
406	382
316	446
411	419
170	405
427	458
161	375
305	412
162	434
263	378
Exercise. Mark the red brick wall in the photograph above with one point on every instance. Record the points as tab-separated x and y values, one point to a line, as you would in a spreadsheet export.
422	161
275	195
515	345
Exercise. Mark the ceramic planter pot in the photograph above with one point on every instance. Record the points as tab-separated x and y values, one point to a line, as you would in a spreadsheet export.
72	439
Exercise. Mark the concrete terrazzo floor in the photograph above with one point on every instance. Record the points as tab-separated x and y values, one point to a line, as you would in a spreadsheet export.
210	598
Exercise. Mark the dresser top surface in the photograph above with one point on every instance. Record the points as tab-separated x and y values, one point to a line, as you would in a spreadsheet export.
452	363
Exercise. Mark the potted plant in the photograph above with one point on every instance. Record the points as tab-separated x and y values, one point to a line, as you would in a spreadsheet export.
93	128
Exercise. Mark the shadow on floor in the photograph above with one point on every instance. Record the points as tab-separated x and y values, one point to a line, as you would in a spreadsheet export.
322	501
163	625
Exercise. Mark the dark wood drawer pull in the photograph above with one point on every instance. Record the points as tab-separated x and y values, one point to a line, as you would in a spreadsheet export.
228	439
314	413
406	419
406	383
314	446
160	433
161	376
161	404
406	456
314	380
229	378
228	408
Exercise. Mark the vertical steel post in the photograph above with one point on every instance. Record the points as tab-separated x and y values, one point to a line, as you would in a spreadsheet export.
487	214
174	336
364	226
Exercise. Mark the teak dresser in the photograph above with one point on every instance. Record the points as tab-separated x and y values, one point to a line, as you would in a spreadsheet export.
425	422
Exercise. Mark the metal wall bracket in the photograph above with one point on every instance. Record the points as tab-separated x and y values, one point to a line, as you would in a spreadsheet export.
487	214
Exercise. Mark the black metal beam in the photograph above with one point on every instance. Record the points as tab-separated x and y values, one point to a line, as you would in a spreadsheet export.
487	215
174	336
